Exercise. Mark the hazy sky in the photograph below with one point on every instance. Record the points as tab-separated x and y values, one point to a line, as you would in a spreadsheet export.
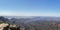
30	7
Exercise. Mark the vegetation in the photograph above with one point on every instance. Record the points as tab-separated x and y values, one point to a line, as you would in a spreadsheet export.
1	22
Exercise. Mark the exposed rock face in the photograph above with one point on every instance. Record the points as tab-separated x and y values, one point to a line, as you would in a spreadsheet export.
6	28
3	25
14	27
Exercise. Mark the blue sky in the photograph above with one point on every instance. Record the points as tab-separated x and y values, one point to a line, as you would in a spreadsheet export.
30	7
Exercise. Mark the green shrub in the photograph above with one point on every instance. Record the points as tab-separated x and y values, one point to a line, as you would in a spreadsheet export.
1	22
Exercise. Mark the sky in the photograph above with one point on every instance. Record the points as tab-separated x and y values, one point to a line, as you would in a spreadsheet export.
30	8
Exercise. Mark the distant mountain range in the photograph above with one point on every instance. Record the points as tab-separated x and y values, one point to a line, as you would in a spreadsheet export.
27	19
34	17
31	21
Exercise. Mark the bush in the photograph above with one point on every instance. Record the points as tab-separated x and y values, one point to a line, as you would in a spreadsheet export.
1	22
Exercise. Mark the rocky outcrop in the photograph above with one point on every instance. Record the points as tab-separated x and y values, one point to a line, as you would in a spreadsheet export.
5	26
